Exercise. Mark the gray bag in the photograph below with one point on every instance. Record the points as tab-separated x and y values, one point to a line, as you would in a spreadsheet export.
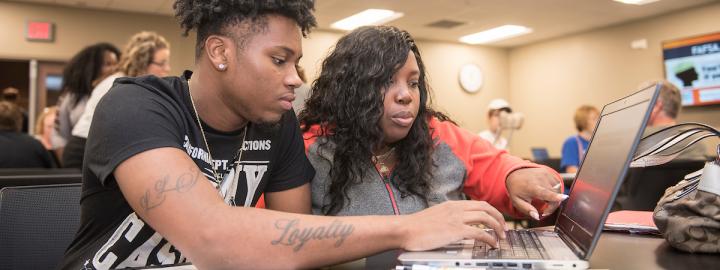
688	214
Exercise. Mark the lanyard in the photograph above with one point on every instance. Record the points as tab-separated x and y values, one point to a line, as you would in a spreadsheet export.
386	181
581	149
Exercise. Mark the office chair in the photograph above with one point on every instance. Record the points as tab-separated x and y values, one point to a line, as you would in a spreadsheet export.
39	176
37	224
553	163
643	187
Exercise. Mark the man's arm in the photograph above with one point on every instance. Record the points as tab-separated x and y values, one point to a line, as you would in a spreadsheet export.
296	200
178	202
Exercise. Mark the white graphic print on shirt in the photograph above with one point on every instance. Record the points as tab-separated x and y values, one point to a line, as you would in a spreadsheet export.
132	227
254	170
150	245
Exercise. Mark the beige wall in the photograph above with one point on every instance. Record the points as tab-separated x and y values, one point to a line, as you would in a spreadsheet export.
546	81
550	79
77	28
443	61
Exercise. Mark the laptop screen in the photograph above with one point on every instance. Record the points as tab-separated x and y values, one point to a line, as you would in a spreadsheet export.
616	136
540	153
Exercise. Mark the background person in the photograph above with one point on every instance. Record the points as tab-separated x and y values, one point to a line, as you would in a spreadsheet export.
19	150
574	147
84	71
665	113
146	53
493	132
12	95
45	125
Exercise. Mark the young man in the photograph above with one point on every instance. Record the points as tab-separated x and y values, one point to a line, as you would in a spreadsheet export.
492	133
151	196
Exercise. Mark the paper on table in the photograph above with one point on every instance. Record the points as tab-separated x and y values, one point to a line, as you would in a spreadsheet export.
631	221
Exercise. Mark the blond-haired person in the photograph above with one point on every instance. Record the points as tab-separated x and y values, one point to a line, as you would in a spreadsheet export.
574	147
44	126
146	53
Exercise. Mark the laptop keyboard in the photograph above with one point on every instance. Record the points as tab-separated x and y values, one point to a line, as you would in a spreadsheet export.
519	244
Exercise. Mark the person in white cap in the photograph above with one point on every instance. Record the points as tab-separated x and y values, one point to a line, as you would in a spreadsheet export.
492	133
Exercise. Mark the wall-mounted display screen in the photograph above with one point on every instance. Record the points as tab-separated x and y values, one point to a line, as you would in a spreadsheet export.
693	65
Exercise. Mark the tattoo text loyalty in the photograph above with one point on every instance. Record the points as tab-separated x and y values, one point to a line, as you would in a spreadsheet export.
292	235
155	196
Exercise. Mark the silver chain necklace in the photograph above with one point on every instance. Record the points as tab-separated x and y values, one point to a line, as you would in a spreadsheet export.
202	132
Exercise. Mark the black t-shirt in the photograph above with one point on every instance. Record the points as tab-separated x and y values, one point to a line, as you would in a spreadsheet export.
143	113
19	150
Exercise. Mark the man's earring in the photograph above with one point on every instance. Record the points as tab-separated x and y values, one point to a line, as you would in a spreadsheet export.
222	67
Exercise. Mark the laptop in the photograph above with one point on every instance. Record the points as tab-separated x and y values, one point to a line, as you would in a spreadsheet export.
579	223
540	153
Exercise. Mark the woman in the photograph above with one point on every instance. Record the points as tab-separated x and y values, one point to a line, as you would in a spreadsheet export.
574	147
378	148
44	126
146	53
84	71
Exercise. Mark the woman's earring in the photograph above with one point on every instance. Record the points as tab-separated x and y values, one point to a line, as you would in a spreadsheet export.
222	67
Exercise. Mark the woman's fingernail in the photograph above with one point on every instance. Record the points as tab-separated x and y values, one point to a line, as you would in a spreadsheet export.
562	197
534	214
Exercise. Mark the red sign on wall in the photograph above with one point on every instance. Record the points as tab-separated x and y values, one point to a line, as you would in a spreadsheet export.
40	31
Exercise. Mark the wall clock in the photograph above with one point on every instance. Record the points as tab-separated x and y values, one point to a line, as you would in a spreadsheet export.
471	78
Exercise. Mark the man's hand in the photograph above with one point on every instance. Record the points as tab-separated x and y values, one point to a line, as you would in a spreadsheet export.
450	222
526	184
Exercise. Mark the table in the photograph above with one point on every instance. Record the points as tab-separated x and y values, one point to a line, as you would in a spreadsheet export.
614	251
623	251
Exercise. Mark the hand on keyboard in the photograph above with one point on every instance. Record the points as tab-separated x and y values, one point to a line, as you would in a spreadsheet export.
449	222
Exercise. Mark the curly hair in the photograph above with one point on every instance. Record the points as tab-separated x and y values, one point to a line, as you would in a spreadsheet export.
213	17
348	98
85	67
139	52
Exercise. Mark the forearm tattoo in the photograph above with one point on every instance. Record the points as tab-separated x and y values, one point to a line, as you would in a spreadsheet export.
156	195
292	235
